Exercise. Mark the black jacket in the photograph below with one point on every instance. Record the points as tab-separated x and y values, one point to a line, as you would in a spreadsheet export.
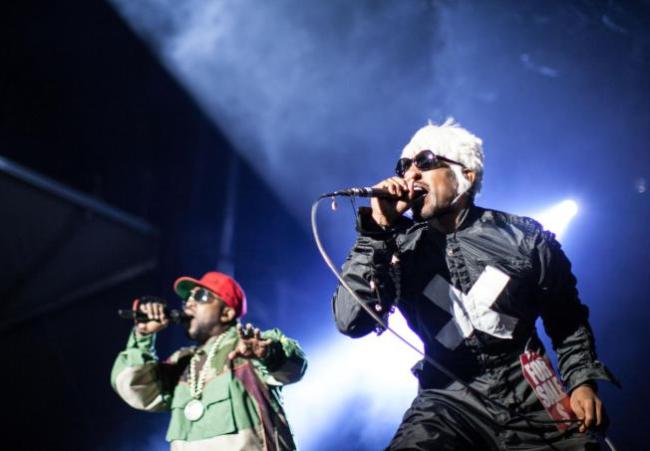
472	296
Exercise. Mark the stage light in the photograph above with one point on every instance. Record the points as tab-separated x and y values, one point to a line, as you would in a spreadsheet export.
557	218
373	370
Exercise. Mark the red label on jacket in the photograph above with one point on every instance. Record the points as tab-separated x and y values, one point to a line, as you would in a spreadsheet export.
541	377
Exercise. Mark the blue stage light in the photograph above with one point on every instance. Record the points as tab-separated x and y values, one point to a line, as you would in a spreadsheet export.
373	371
557	218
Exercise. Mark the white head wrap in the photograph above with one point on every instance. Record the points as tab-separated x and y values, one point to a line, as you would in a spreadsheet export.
452	141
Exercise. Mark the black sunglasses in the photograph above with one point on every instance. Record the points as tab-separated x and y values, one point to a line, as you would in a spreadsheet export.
200	296
425	160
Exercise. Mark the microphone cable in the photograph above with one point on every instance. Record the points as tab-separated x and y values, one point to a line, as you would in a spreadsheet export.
430	360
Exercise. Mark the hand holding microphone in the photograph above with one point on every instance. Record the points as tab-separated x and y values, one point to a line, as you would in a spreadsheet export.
158	319
390	198
386	210
151	314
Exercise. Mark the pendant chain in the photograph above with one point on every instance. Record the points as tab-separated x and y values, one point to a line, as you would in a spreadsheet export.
196	387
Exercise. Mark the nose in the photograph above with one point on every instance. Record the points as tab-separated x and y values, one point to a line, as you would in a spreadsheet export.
189	303
412	174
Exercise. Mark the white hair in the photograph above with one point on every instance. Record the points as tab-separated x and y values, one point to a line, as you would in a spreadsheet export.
452	141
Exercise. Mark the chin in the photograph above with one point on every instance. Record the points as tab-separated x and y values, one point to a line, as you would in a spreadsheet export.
418	209
191	333
424	216
423	213
417	216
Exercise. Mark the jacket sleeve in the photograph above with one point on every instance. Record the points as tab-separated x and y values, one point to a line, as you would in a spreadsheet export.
286	362
136	375
565	318
367	271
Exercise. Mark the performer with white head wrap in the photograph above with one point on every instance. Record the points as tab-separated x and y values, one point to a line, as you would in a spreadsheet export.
471	282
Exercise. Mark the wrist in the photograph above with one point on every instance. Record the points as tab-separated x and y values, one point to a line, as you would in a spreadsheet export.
274	355
380	220
586	384
141	341
142	335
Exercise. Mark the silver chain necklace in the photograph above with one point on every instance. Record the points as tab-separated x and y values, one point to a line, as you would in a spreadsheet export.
195	409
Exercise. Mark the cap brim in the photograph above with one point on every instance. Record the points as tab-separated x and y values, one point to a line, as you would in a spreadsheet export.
184	285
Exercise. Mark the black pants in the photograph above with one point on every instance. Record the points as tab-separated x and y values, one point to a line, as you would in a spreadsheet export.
455	419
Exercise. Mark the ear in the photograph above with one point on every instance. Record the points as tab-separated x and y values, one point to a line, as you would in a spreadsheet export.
469	175
227	315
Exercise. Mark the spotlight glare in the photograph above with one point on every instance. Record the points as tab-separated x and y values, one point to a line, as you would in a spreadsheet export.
373	370
557	218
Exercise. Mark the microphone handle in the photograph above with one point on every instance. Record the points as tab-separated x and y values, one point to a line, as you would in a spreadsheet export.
381	193
176	316
368	191
365	191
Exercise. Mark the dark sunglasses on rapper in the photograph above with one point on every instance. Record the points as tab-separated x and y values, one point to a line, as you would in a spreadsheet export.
201	296
424	160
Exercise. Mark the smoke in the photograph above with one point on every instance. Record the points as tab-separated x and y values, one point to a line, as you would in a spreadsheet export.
307	91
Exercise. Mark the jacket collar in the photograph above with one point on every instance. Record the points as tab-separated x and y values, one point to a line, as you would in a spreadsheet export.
411	236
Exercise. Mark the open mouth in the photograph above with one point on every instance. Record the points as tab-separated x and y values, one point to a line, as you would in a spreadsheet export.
419	194
419	191
186	318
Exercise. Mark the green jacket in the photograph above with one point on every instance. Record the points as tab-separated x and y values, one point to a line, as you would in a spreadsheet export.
242	398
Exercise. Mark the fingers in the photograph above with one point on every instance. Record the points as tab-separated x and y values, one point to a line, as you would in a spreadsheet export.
411	188
148	310
240	350
159	312
576	406
588	408
386	211
593	413
246	348
156	320
155	311
395	185
599	412
251	344
589	411
246	331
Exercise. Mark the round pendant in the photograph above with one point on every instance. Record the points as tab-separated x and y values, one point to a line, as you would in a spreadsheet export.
193	410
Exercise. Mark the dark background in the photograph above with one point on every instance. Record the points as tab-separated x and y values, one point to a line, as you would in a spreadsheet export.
557	90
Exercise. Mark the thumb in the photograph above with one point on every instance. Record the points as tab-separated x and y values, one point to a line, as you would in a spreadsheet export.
578	409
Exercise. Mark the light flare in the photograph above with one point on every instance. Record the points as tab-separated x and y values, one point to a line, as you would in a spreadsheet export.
557	218
373	369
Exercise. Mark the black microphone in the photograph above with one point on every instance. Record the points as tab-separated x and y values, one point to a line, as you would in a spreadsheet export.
368	191
176	316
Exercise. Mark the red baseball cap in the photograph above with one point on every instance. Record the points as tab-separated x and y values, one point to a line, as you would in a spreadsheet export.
218	283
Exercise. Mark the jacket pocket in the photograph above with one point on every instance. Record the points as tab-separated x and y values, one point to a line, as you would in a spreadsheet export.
217	419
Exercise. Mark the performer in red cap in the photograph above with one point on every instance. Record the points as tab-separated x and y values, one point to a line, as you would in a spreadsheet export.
224	393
